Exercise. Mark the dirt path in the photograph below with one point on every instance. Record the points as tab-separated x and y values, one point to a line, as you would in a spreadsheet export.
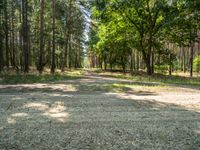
93	113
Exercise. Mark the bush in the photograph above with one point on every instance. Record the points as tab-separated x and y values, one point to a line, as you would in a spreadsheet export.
161	68
196	63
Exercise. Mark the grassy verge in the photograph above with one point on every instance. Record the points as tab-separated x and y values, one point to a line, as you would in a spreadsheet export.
158	78
36	78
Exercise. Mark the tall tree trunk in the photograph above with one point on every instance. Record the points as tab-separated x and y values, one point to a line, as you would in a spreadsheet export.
13	38
25	35
70	35
184	61
131	63
20	33
1	39
170	65
1	52
65	55
191	58
105	63
199	48
53	65
137	61
6	34
1	44
152	62
41	63
66	45
79	55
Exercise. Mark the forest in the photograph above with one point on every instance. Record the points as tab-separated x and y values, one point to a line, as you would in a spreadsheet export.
153	35
99	74
39	34
156	36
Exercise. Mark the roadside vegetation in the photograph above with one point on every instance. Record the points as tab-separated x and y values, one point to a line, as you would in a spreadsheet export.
34	77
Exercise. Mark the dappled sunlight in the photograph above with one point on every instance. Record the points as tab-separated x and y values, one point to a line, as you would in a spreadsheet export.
13	117
97	111
57	111
17	98
38	86
197	131
59	116
186	101
36	105
60	95
57	107
19	115
11	120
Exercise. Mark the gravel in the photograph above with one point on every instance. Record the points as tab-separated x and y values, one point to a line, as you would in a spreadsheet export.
97	119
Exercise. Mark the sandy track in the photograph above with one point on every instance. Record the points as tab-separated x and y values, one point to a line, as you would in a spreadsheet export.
81	114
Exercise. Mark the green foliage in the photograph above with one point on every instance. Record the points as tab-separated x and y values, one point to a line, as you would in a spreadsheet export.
144	25
197	63
161	68
32	78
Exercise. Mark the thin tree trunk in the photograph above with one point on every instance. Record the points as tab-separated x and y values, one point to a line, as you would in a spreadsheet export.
131	63
191	58
6	34
198	48
66	45
13	38
170	65
53	65
152	62
184	65
25	35
70	35
1	43
138	61
41	64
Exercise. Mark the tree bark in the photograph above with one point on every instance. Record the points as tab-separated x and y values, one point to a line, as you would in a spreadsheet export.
25	35
191	58
40	64
53	65
1	41
131	62
6	34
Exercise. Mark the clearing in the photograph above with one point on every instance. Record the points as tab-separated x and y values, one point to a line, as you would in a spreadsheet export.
99	112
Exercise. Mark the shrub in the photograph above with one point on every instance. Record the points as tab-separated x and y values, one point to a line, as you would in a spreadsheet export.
196	63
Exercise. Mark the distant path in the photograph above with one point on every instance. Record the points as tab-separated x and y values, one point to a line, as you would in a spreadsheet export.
98	113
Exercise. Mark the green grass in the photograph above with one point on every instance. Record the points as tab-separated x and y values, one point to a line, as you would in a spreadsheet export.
158	78
33	78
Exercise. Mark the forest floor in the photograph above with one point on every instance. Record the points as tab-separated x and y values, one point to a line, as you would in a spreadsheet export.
99	112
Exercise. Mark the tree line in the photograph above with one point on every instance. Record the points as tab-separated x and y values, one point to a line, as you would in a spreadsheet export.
41	34
156	35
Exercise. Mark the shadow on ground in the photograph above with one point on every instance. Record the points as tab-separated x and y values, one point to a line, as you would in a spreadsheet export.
84	115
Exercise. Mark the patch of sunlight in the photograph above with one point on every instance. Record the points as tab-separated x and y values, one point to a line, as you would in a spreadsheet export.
38	106
132	142
57	112
57	107
1	128
19	115
11	120
17	98
197	131
61	95
61	116
64	87
139	85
